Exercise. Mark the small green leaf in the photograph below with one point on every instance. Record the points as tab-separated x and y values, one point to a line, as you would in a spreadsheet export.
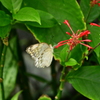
44	97
4	30
47	20
12	5
86	80
4	18
15	97
71	62
64	53
27	14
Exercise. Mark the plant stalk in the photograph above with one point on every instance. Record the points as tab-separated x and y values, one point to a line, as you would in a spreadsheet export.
62	81
2	59
93	49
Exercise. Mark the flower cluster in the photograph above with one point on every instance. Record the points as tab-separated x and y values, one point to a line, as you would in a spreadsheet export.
75	38
94	2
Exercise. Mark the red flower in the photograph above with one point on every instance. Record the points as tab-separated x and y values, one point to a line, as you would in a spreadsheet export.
94	2
94	24
75	38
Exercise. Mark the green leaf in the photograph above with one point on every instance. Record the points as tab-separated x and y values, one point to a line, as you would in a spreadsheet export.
71	62
90	13
62	55
4	31
4	18
86	80
78	52
44	97
95	37
66	11
47	20
10	67
27	14
12	5
15	97
61	10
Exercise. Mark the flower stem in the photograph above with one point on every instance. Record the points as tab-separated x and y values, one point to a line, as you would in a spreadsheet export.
62	81
2	96
93	49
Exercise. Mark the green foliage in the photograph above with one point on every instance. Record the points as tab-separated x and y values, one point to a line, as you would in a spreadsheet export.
4	31
90	13
71	62
11	66
5	26
56	34
44	19
12	5
44	97
47	20
85	80
61	10
31	12
95	37
4	19
15	97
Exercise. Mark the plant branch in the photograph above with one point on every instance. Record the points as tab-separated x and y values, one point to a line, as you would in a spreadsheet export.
90	52
2	59
93	49
62	81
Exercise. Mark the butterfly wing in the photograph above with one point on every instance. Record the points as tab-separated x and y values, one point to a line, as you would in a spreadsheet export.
41	48
46	57
32	50
42	54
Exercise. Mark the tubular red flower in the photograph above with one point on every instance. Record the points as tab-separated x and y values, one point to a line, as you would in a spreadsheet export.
63	41
75	38
84	33
94	24
94	2
89	47
87	40
67	23
60	44
68	33
98	4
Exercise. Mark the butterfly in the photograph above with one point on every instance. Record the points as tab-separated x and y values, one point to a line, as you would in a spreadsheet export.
42	54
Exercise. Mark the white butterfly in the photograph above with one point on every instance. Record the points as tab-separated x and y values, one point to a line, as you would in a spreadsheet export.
42	54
